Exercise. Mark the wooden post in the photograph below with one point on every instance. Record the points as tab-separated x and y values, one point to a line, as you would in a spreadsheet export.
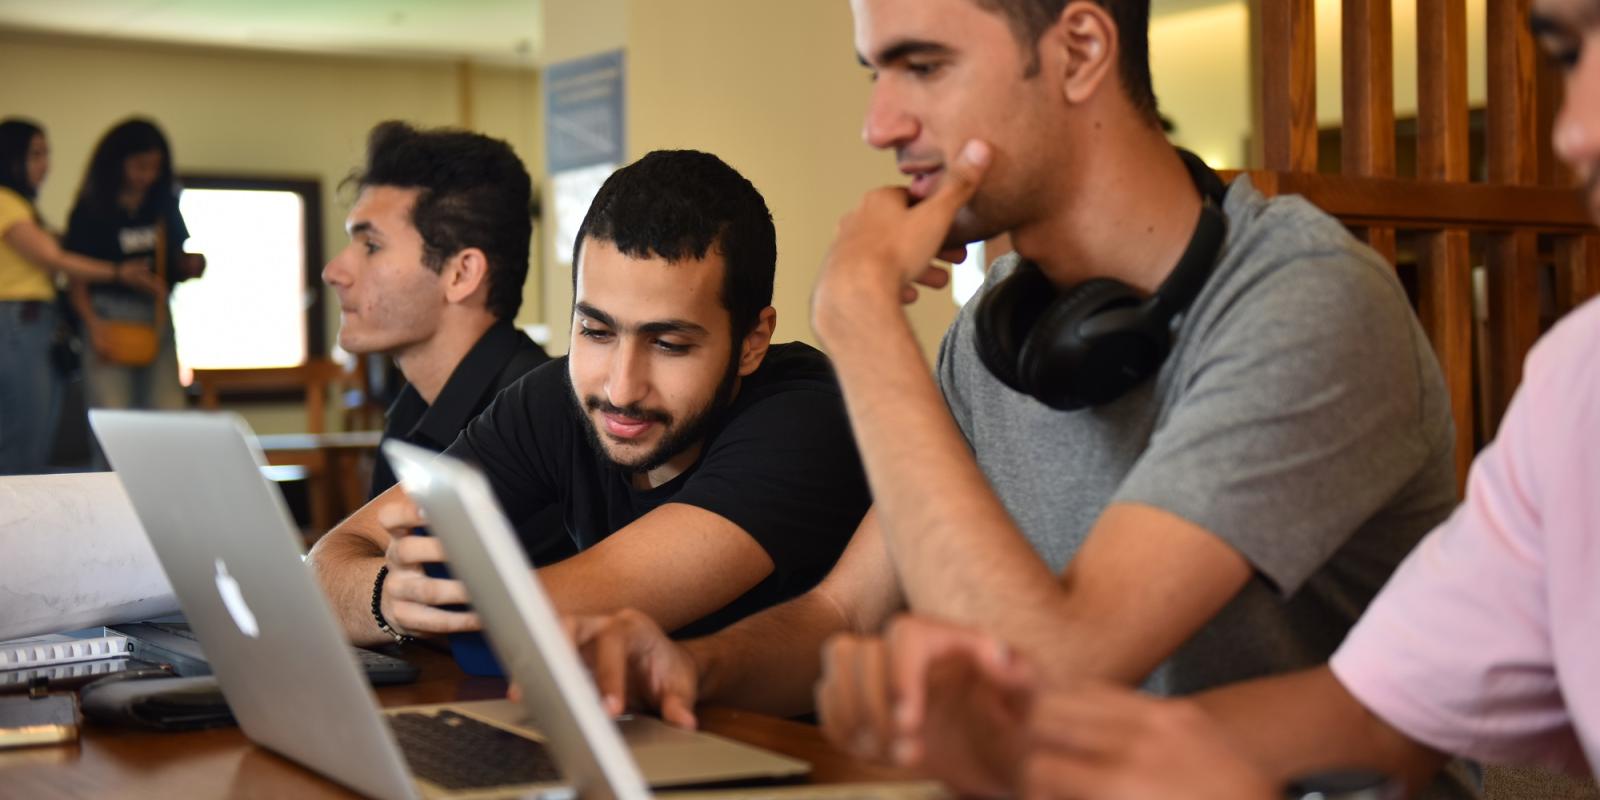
1288	54
1368	135
1577	271
1444	274
1513	159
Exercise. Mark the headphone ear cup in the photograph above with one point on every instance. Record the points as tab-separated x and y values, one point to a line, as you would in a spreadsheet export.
1060	360
1005	316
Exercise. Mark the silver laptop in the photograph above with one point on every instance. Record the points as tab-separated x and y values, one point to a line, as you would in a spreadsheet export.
226	542
528	637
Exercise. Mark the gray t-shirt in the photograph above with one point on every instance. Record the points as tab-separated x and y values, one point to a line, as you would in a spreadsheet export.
1301	417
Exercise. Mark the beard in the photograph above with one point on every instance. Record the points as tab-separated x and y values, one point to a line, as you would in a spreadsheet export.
966	229
677	436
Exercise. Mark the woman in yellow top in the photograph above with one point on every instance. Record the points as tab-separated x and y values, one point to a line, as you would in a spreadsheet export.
29	257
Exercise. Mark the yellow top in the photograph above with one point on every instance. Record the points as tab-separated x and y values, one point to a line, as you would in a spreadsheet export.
20	279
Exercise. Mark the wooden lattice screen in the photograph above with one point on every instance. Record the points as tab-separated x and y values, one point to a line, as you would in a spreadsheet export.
1523	200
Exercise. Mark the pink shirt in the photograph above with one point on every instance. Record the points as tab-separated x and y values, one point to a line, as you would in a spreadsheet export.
1486	642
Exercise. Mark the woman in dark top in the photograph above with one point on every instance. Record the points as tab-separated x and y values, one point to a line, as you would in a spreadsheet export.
128	207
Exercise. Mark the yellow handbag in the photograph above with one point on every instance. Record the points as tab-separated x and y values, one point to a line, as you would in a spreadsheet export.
129	344
135	344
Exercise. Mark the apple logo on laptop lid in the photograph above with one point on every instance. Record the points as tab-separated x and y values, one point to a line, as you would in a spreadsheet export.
233	599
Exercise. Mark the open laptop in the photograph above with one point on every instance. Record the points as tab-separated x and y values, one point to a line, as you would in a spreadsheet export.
527	636
226	541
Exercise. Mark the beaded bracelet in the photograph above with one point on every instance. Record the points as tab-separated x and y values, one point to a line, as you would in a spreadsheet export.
377	607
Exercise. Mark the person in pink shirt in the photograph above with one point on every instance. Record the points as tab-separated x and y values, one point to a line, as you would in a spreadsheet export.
1484	644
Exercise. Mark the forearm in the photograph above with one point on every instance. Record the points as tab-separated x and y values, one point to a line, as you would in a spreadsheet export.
40	247
1307	722
957	553
346	566
713	562
587	584
769	662
84	268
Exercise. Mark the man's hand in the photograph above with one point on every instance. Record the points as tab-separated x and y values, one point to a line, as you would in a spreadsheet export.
135	274
636	665
1115	744
946	701
99	337
193	265
886	244
410	598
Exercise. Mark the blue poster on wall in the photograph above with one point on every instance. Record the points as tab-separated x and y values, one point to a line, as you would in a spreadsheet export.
584	137
583	112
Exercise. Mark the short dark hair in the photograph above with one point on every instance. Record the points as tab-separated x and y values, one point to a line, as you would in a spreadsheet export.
1029	19
676	204
102	184
16	136
474	192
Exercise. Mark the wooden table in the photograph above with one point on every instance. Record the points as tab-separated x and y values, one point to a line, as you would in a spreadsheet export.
336	485
223	763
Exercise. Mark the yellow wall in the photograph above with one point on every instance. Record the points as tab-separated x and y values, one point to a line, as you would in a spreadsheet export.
1200	64
576	28
251	112
785	110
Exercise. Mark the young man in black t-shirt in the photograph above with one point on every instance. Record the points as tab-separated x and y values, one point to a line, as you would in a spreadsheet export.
432	276
703	472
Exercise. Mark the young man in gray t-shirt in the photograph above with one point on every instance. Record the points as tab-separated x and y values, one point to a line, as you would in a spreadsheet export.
1300	418
1228	516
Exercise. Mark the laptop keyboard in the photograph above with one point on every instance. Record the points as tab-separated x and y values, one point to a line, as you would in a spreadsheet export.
459	752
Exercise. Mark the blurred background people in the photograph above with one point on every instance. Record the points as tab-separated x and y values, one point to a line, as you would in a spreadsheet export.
127	207
29	258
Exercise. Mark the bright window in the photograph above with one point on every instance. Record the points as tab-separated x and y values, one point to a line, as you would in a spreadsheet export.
252	308
967	276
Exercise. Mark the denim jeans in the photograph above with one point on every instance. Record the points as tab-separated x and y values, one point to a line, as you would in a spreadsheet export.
29	387
153	386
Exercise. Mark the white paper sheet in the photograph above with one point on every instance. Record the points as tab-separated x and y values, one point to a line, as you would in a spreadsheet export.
72	555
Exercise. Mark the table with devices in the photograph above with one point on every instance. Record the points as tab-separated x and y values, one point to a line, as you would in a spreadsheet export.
222	762
301	699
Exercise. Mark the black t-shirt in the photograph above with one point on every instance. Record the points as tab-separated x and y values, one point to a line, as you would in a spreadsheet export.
113	234
501	356
782	465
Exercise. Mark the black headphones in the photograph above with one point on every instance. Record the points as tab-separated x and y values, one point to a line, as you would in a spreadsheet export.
1090	344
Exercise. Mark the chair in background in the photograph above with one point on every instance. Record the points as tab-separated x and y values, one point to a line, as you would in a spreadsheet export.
336	465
